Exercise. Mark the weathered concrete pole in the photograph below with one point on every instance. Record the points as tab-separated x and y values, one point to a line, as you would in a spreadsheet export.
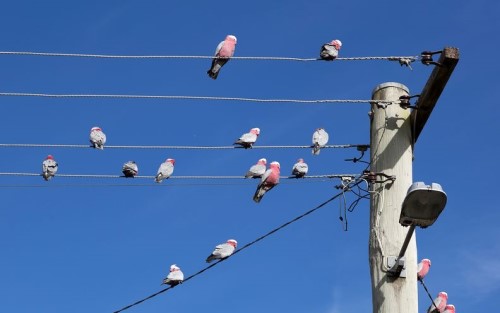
391	153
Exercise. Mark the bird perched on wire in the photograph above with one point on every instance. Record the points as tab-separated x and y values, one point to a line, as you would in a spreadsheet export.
440	302
223	250
300	169
423	268
330	51
257	170
223	53
130	169
319	140
97	138
450	308
49	167
175	276
248	139
165	170
268	181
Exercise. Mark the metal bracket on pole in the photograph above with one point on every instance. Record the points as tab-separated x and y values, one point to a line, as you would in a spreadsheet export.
396	266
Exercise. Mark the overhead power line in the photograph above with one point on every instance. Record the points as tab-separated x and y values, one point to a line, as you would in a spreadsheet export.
248	245
252	58
104	176
211	98
35	145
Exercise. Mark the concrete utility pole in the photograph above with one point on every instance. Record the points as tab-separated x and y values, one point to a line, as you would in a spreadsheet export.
391	154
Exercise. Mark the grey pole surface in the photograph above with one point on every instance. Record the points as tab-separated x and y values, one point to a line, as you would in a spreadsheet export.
391	153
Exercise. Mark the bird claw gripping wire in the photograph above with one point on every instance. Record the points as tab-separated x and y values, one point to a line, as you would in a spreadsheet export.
426	57
404	102
373	177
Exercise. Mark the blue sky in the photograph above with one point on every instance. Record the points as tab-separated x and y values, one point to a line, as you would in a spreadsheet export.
97	247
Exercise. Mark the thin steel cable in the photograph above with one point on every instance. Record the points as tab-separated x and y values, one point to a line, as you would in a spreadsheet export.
240	249
253	58
241	177
167	185
213	98
74	146
427	291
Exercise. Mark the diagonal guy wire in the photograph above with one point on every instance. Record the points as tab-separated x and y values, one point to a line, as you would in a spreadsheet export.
353	184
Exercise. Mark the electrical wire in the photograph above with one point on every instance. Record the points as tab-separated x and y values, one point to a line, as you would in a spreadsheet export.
167	185
354	183
427	291
166	97
253	58
75	146
104	176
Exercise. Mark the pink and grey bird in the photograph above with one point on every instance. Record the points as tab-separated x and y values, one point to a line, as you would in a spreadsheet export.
223	250
175	276
257	170
97	138
300	169
49	167
248	139
165	170
450	308
440	301
223	53
330	51
319	140
268	181
423	268
130	169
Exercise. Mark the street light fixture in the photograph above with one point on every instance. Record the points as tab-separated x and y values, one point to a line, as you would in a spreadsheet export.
421	207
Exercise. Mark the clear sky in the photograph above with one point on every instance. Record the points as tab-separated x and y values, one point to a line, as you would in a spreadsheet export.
97	245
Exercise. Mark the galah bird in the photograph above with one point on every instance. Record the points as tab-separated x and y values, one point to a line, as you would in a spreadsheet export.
270	179
450	308
223	53
423	268
300	169
440	302
49	167
257	170
319	140
248	139
165	170
130	169
223	250
175	276
330	51
97	138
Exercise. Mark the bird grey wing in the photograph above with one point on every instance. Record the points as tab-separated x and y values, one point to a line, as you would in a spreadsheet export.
169	169
302	168
329	51
265	176
177	275
219	47
251	172
323	138
248	137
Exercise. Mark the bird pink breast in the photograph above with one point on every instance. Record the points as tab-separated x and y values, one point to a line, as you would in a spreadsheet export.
274	177
227	49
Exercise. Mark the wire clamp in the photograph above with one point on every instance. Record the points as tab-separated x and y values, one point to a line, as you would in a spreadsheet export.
373	177
426	58
404	102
